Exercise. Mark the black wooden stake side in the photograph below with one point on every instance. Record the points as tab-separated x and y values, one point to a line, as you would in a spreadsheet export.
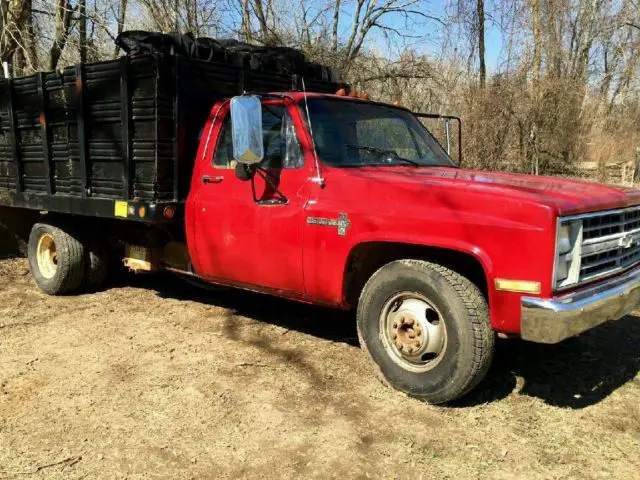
46	134
82	134
125	123
179	124
244	81
14	137
296	82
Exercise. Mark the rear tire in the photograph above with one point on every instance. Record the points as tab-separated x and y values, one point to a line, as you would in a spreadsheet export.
427	330
56	259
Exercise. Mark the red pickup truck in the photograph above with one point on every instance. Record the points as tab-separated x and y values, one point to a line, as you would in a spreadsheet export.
350	203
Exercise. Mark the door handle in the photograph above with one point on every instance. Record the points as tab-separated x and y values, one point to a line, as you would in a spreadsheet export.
207	179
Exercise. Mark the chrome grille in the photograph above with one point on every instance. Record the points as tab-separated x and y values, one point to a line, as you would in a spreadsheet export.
610	242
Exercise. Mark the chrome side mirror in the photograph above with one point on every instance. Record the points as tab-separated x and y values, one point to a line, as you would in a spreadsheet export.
246	127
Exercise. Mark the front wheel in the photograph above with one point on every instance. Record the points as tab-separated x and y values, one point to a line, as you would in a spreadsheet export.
427	329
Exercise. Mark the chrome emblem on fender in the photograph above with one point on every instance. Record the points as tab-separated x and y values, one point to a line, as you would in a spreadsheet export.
342	222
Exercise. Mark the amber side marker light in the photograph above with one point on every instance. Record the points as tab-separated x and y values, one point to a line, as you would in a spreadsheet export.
519	286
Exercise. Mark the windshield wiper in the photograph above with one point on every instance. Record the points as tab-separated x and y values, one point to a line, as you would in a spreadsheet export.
382	151
408	160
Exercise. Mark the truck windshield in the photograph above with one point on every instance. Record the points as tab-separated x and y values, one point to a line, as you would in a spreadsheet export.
350	134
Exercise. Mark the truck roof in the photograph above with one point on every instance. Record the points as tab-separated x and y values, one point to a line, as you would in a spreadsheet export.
298	96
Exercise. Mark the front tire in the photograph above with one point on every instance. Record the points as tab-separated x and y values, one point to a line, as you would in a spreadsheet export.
427	329
56	259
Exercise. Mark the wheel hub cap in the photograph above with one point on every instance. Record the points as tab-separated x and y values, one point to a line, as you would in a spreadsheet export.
414	332
47	256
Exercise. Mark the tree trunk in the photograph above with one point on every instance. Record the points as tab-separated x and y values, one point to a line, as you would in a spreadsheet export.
30	54
62	27
481	54
17	43
334	28
246	21
82	12
262	19
122	15
537	40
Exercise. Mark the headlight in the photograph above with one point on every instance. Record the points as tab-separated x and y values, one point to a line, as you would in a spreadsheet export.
564	238
568	246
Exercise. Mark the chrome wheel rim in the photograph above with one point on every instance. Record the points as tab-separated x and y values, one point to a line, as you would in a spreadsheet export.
413	331
47	256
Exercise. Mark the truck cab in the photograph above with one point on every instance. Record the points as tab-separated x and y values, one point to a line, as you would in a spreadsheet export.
362	196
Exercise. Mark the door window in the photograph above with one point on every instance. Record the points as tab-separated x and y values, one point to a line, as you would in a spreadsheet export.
281	146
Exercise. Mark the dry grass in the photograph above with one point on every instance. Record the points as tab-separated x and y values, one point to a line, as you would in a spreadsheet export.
151	379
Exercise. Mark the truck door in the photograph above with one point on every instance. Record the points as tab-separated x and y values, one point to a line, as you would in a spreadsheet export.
250	232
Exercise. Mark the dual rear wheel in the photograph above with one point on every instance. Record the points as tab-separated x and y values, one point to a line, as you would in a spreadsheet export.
62	262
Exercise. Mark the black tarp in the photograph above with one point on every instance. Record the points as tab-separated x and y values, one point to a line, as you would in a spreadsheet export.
281	60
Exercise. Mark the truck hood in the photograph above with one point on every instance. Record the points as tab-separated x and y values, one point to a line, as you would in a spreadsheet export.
565	195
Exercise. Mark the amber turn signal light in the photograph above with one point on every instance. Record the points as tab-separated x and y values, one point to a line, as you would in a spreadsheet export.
342	92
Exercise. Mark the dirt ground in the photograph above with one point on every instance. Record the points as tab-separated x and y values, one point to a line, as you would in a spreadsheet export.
152	378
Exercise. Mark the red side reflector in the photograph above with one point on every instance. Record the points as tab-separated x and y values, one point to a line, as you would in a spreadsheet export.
169	212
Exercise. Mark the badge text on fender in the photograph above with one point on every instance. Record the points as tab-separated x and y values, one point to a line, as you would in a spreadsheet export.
342	222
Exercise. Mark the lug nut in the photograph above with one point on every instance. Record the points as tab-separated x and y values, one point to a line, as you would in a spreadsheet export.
409	349
412	335
394	336
395	324
417	344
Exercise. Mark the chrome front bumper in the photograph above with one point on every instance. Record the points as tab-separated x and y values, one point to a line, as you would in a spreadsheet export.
551	320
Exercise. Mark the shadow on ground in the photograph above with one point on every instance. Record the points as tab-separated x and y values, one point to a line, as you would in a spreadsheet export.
576	373
327	323
8	244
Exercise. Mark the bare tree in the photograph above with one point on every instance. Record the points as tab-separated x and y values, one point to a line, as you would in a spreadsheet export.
63	15
122	15
537	39
17	38
369	16
82	13
481	54
195	16
263	13
470	14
